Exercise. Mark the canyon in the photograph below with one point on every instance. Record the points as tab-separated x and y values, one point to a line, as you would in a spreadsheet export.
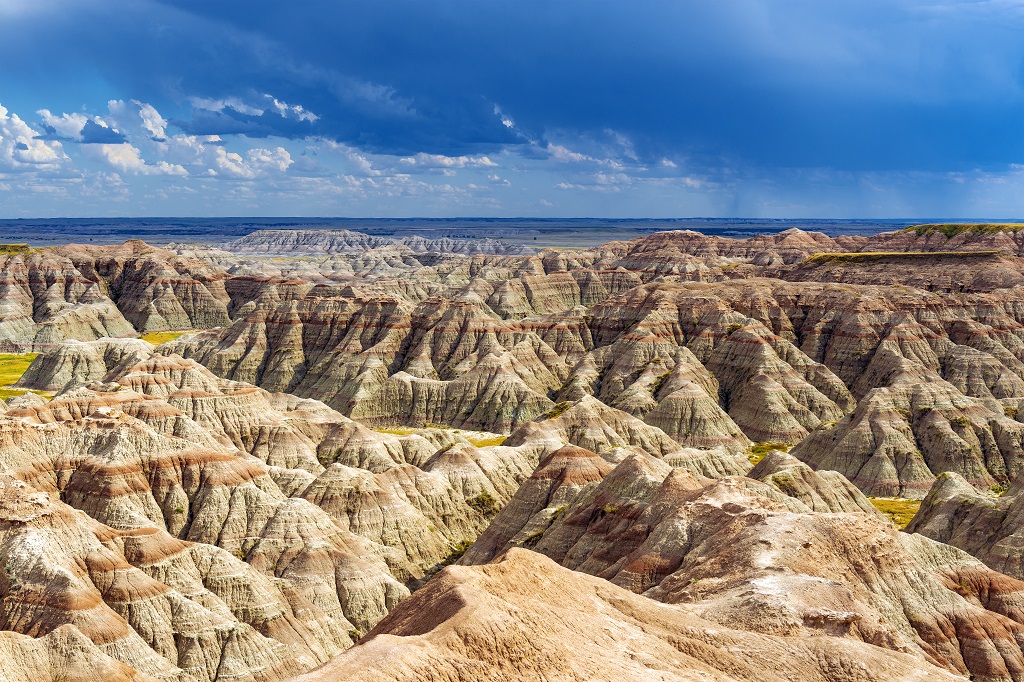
325	455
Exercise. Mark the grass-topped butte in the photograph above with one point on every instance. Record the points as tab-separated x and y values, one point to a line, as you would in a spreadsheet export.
15	249
156	338
827	258
951	230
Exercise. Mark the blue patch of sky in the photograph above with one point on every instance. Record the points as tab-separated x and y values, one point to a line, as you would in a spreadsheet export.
456	107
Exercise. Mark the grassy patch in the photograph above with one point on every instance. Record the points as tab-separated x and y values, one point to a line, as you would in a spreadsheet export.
894	256
396	430
951	230
556	411
484	503
15	249
13	365
487	442
156	338
900	512
759	450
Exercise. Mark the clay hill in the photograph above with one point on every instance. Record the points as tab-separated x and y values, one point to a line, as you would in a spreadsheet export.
368	458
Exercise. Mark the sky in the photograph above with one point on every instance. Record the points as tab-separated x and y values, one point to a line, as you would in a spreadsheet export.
526	108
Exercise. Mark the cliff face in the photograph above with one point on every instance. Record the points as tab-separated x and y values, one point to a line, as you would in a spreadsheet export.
89	292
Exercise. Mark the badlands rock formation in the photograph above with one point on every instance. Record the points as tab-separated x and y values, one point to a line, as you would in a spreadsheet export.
524	617
89	292
291	242
988	526
347	415
753	557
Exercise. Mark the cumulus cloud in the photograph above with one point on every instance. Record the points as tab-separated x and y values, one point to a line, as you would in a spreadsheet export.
66	125
128	159
21	148
256	161
152	121
424	160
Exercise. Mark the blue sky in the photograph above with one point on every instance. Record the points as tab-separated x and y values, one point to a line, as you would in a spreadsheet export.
661	108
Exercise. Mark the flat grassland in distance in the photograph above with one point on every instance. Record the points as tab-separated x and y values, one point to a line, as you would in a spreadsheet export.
15	249
156	338
12	366
951	230
827	258
900	512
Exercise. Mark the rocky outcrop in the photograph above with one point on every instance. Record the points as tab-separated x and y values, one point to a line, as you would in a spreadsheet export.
192	475
980	522
524	617
73	363
590	424
178	612
290	242
89	292
751	555
967	237
822	491
899	438
63	654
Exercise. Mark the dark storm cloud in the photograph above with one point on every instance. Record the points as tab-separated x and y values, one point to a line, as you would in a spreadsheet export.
848	85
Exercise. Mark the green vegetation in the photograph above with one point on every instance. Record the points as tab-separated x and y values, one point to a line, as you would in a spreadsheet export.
759	450
951	230
478	441
15	249
900	512
556	411
484	503
396	430
487	442
840	258
156	338
12	367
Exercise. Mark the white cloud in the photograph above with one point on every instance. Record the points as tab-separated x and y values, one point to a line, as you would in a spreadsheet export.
123	156
20	147
566	155
667	163
152	120
272	159
286	110
165	168
227	103
128	159
232	164
66	125
442	161
256	161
